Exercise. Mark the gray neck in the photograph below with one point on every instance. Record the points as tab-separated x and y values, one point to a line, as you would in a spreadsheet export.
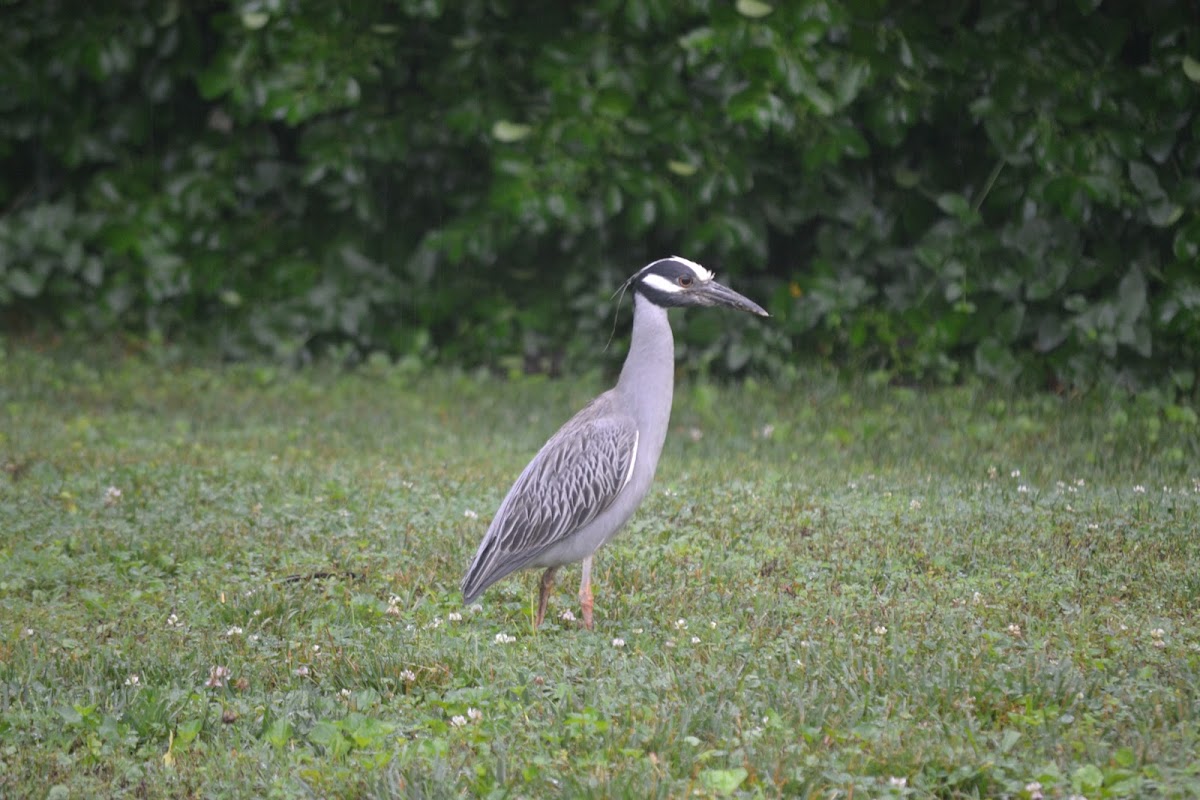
648	378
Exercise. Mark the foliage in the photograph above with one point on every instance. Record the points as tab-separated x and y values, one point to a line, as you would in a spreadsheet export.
882	592
1009	189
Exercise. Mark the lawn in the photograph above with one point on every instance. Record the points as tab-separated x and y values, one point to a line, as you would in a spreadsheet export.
242	581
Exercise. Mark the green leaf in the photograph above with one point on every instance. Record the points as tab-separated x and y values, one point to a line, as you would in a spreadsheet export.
701	40
1191	68
1163	214
954	204
187	731
1087	779
505	131
993	359
681	168
1187	242
1145	181
755	9
255	20
1131	295
849	83
723	781
24	284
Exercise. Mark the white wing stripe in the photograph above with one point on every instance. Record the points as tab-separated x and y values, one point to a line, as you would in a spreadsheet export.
632	459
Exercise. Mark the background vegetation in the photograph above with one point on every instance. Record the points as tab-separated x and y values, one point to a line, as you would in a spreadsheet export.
1005	188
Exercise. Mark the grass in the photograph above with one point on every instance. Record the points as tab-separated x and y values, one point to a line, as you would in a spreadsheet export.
835	589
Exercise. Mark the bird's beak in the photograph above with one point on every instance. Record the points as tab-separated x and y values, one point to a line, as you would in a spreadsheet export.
714	294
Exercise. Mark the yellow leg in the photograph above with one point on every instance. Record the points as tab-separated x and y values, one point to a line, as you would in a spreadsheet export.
544	595
585	593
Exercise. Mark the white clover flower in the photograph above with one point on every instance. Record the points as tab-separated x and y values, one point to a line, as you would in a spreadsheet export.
695	434
713	624
1023	489
1035	790
1016	473
992	472
217	676
469	514
458	720
618	642
805	643
475	715
29	631
476	608
133	680
112	496
1014	629
976	598
681	624
345	692
899	783
881	630
1139	489
454	616
252	637
695	640
173	621
316	648
234	631
669	643
639	630
914	504
301	670
408	676
504	638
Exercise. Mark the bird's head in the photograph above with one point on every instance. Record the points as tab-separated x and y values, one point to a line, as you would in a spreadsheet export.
675	281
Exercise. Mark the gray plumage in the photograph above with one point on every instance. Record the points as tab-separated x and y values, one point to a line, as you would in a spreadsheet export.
589	478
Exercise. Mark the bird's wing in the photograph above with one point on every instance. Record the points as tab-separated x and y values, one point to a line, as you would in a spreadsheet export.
574	477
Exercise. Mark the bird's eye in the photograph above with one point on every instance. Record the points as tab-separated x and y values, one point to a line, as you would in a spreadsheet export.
685	281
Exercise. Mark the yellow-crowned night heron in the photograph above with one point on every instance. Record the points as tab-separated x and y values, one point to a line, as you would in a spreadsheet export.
590	477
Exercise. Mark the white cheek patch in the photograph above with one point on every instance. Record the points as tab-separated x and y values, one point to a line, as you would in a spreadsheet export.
701	272
662	284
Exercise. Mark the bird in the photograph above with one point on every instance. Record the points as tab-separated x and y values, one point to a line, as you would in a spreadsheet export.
593	473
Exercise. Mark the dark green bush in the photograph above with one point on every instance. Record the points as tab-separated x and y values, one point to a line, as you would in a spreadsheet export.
1005	188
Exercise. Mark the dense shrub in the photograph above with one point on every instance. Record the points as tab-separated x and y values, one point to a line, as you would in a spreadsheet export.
1004	188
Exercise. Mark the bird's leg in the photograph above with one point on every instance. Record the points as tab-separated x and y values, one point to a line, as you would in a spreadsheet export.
544	595
585	593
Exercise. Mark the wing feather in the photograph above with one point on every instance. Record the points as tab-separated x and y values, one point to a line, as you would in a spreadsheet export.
576	475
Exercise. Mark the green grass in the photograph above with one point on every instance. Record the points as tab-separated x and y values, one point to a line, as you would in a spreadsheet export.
832	589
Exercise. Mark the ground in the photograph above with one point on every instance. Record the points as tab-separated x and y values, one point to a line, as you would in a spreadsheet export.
242	581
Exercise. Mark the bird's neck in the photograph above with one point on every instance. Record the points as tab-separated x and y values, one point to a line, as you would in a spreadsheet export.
648	377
